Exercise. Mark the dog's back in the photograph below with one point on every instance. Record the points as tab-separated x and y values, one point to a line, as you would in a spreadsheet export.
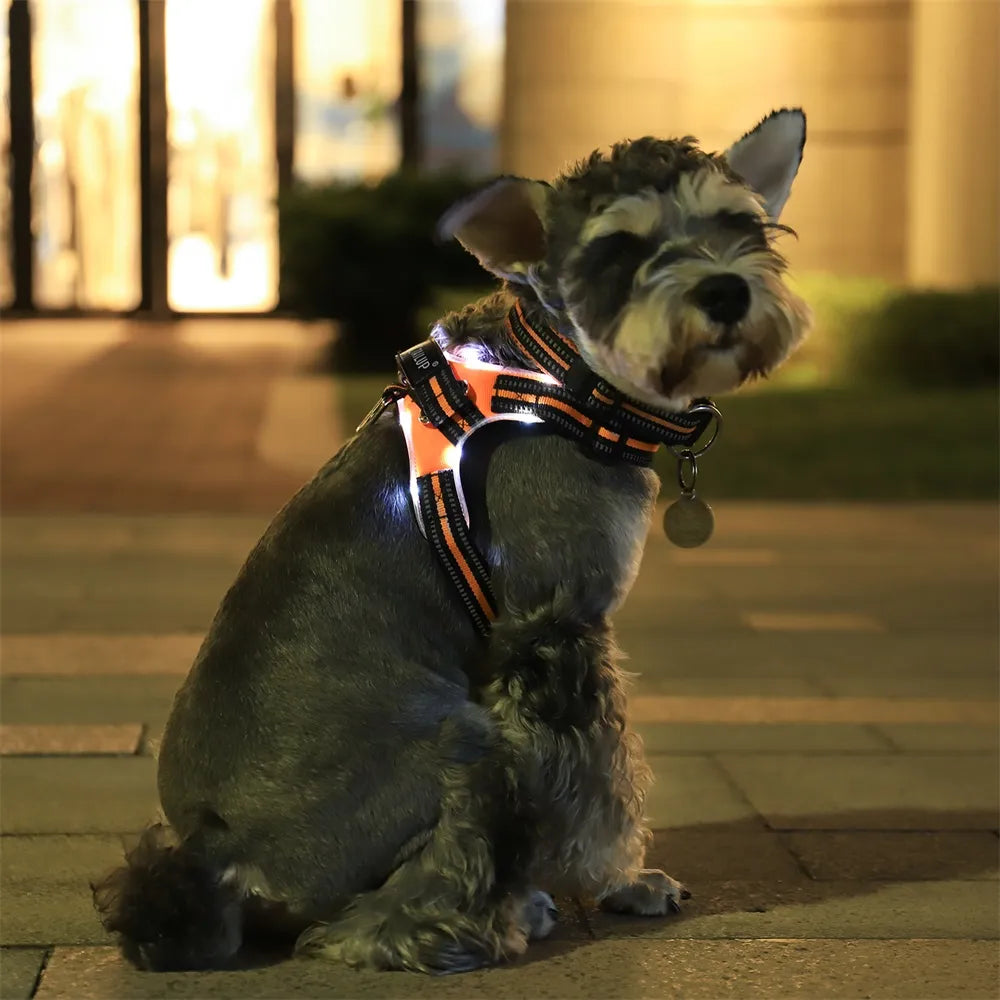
326	666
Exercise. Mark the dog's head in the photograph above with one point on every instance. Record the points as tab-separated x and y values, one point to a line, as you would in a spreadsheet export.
658	259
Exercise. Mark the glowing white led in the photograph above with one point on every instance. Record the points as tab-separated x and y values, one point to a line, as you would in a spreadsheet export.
471	356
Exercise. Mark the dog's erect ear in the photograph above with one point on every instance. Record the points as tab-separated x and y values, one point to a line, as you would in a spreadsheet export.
768	157
503	225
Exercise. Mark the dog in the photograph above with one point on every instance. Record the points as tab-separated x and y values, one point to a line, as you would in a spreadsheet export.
351	760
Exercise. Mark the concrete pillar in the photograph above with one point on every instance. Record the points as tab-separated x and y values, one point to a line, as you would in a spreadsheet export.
954	171
584	73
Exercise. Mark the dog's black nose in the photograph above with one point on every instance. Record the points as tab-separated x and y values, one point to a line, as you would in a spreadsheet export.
725	298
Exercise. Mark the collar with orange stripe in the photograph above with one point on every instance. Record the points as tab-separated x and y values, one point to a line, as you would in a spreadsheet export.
443	399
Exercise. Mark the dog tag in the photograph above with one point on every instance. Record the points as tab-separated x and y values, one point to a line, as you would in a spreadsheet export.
689	521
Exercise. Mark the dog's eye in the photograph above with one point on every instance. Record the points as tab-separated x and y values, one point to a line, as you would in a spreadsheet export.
623	251
607	268
671	255
744	223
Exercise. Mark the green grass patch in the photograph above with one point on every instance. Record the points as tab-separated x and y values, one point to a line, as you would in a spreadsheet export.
825	444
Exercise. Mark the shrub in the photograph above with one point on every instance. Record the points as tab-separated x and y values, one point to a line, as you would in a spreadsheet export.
867	330
932	338
367	256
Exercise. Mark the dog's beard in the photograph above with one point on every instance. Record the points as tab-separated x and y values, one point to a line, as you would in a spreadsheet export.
664	350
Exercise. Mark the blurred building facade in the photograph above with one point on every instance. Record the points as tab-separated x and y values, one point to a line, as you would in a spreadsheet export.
901	171
137	131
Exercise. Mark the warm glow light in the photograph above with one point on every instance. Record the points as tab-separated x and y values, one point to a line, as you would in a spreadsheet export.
347	78
6	277
223	179
86	179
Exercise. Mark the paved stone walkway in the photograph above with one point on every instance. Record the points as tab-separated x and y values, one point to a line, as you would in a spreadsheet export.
817	691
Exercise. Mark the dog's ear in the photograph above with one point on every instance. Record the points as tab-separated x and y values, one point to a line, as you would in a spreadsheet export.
768	156
503	225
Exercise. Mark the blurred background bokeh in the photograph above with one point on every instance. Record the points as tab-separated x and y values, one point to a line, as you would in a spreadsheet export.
167	162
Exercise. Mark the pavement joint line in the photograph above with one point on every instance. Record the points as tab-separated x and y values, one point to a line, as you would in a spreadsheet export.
755	815
888	744
764	710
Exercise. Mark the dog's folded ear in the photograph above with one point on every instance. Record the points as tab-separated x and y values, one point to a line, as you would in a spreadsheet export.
503	225
768	156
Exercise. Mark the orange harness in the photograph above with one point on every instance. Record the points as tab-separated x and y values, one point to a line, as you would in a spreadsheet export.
443	399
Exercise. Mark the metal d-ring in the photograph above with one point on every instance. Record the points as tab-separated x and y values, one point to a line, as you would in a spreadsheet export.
706	407
687	460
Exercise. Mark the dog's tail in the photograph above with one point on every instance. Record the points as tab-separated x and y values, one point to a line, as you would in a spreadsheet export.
170	907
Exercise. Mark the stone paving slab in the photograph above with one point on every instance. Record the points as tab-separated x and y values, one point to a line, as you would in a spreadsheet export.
676	609
821	710
694	685
927	659
127	593
893	856
678	737
811	621
224	537
77	794
28	740
969	527
19	971
738	851
616	969
693	790
126	430
823	571
869	791
814	909
984	685
89	655
45	883
89	700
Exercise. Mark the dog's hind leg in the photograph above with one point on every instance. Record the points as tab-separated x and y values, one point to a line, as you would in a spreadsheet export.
462	901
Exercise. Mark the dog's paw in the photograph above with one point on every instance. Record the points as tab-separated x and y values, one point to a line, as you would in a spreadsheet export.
653	894
540	914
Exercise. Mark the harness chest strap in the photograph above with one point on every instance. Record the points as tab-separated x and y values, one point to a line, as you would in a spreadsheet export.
448	398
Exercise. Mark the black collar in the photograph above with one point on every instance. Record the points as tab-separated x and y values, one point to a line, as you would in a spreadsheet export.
607	422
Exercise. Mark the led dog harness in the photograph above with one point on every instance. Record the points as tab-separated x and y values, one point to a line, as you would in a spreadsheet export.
443	400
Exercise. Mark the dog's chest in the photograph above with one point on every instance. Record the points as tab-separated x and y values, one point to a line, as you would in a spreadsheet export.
560	522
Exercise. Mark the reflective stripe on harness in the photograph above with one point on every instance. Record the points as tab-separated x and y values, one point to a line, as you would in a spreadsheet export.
444	399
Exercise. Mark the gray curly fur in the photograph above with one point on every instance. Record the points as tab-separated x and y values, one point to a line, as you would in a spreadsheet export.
348	751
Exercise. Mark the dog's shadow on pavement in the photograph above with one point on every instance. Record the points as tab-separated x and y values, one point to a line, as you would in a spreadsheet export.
747	873
749	879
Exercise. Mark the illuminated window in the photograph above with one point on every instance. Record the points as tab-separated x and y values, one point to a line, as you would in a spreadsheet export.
347	81
222	171
6	234
85	184
348	77
461	47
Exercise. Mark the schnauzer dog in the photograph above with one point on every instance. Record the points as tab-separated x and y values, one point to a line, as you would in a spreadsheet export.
350	757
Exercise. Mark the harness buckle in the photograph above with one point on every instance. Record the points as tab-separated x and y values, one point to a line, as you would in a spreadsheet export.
420	364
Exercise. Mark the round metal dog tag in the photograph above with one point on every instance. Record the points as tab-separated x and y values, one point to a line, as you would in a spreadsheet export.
688	522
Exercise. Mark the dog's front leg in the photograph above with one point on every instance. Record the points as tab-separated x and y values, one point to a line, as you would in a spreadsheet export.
567	537
557	693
